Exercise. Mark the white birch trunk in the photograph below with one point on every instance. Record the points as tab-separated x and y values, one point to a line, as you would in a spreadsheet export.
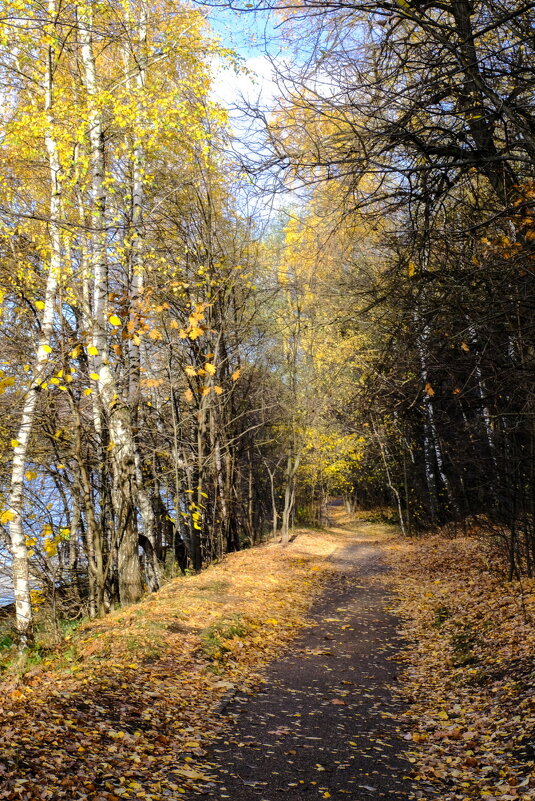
19	550
484	410
122	447
431	438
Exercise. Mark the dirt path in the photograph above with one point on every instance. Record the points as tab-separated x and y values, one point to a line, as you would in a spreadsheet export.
325	723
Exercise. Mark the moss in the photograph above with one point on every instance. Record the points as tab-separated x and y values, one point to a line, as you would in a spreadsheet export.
214	638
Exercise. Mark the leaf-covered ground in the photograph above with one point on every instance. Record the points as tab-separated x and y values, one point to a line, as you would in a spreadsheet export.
326	722
470	670
124	709
128	707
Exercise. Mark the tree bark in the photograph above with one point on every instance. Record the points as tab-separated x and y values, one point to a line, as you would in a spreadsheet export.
118	413
19	550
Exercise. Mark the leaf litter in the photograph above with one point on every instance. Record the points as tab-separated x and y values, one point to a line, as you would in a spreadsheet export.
126	708
469	668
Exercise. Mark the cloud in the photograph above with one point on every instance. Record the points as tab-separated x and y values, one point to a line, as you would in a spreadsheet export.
254	85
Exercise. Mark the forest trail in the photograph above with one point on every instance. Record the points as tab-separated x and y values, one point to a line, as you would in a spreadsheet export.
326	723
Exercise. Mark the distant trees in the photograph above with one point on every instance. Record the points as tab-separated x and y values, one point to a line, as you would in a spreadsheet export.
422	119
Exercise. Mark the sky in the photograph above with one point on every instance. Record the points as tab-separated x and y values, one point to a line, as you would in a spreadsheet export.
256	37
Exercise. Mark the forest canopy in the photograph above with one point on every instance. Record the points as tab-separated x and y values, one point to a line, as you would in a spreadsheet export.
180	379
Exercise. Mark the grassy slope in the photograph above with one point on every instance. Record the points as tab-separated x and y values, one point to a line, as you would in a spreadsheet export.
122	709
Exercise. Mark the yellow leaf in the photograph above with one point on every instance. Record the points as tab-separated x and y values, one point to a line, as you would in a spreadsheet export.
189	370
218	390
411	269
429	390
188	394
195	332
39	304
114	320
54	381
92	350
465	347
205	391
190	773
155	334
30	475
7	516
236	374
88	391
47	349
210	368
14	443
94	376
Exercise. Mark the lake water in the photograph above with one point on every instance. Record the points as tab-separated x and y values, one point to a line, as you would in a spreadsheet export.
6	588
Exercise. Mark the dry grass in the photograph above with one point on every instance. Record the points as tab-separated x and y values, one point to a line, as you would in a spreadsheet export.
123	708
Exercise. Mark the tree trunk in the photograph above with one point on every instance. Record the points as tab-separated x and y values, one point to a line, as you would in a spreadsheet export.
19	551
292	466
118	414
